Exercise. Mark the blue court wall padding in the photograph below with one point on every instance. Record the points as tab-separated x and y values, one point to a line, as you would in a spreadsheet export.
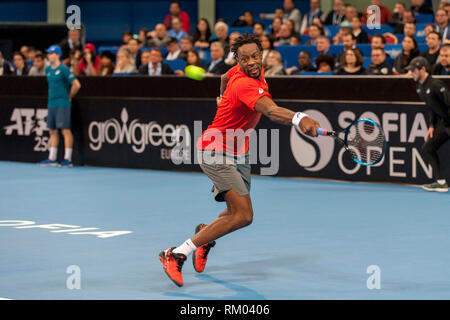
23	11
105	21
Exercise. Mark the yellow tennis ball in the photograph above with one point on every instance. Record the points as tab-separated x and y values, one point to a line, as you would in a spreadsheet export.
194	72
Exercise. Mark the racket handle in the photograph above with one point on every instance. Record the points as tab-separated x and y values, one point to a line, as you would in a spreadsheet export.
321	132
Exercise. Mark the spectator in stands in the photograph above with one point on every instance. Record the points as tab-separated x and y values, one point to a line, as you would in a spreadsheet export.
291	26
30	56
73	41
126	36
314	12
385	13
133	48
337	15
158	37
90	62
175	11
267	46
177	29
24	51
429	28
353	63
185	46
304	64
339	37
349	42
125	64
221	35
274	65
38	68
155	67
5	66
106	63
74	60
318	22
285	35
419	7
202	34
360	34
442	27
258	29
397	15
409	52
245	20
229	59
409	29
446	6
379	66
145	57
314	32
173	50
442	68
20	66
294	40
350	13
408	17
193	58
325	63
142	36
275	29
290	12
217	65
434	45
323	45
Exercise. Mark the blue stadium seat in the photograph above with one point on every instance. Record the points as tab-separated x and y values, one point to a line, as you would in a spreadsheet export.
367	62
333	30
290	53
365	48
177	64
265	22
307	73
305	39
424	18
383	29
335	49
112	49
393	50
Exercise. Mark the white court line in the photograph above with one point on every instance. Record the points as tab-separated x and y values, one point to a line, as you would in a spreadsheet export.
4	298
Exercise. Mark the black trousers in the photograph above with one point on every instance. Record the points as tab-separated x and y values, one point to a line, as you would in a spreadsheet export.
440	136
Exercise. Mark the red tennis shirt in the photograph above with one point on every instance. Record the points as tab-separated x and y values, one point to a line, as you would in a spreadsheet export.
235	111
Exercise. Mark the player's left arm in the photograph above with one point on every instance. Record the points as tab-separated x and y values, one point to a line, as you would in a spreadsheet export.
270	109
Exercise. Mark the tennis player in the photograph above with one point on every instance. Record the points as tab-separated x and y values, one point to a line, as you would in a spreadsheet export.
62	87
245	99
435	94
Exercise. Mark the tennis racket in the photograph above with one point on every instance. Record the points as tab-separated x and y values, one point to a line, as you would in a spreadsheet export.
364	139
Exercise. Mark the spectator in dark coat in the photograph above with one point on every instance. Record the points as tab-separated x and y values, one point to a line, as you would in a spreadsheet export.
217	66
155	67
5	66
21	67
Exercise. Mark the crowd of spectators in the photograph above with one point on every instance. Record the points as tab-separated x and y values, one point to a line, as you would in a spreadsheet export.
150	52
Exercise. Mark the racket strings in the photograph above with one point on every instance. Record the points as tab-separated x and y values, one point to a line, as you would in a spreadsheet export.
366	142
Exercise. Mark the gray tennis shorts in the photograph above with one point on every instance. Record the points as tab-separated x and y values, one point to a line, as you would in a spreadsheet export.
226	172
59	118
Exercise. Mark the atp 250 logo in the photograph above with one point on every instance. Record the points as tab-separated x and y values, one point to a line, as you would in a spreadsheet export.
28	121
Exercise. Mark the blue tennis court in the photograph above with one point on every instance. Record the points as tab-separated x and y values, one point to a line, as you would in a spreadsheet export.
309	239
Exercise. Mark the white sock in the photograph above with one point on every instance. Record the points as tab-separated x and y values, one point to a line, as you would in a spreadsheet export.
68	154
441	181
53	153
186	248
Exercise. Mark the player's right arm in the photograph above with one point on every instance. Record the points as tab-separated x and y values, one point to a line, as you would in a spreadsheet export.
269	108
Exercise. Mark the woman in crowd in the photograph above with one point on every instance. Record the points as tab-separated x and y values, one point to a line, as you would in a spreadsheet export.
202	34
409	52
360	34
106	64
275	29
353	63
267	46
246	20
90	62
274	64
125	64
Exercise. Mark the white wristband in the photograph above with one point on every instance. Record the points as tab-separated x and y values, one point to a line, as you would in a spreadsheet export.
297	118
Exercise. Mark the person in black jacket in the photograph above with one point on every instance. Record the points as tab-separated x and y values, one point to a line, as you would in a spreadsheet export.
379	66
442	68
436	96
21	67
72	42
419	7
155	67
337	16
217	66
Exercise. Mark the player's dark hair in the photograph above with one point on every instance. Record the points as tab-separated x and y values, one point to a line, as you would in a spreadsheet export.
245	39
436	33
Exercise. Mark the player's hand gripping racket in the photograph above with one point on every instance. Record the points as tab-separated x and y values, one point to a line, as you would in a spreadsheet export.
364	139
